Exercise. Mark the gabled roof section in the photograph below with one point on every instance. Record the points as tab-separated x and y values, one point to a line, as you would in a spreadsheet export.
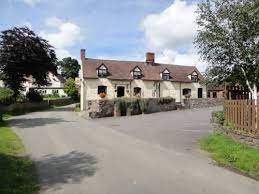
136	69
165	71
121	70
102	66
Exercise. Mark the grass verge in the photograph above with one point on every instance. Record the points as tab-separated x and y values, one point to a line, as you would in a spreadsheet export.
17	172
229	153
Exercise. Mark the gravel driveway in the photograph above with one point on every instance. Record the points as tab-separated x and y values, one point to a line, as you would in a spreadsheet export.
145	154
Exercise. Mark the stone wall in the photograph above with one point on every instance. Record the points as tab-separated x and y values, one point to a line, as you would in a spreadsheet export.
99	108
27	107
60	101
243	138
155	106
109	108
203	102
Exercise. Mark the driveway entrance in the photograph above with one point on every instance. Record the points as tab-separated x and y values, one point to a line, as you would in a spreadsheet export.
145	154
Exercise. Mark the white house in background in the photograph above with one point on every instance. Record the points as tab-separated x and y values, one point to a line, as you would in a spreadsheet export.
1	83
56	86
146	79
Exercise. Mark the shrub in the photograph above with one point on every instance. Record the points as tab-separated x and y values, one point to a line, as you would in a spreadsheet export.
6	96
34	96
122	106
70	89
218	117
143	104
166	100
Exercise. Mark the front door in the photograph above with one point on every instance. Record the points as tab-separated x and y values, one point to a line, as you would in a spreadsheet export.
199	92
120	91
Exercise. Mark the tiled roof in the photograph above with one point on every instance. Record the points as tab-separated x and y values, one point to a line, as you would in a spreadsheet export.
121	70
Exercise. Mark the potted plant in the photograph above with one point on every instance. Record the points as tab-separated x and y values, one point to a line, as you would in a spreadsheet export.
187	96
103	95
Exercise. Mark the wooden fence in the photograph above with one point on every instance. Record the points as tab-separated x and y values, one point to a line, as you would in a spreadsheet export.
242	114
237	93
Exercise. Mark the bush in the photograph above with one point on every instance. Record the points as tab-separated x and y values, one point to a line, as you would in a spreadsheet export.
218	117
34	96
6	96
70	89
143	105
166	100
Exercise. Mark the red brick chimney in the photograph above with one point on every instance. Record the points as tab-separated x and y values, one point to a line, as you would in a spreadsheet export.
150	58
82	54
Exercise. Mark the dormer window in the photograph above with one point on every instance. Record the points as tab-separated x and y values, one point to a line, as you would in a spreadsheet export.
165	75
102	71
194	77
137	73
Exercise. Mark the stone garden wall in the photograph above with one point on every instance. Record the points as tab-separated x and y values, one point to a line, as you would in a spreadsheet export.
126	107
203	102
219	125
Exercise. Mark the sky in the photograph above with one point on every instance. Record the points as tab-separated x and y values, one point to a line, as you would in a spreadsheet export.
110	29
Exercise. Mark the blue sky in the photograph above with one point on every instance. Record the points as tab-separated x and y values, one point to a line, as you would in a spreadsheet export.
120	29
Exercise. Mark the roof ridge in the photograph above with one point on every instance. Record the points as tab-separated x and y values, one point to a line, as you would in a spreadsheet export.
128	61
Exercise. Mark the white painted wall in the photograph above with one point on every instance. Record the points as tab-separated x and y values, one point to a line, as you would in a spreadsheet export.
1	83
148	89
55	86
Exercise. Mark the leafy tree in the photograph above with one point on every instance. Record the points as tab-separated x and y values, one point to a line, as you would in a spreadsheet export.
228	39
24	54
6	96
69	67
34	96
70	88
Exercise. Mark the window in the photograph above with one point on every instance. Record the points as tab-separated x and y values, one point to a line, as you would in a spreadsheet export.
166	75
200	91
102	89
137	74
208	94
187	91
194	77
54	92
214	94
102	71
137	92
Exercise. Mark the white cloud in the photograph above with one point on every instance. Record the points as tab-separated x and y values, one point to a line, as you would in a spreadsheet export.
172	30
68	34
31	2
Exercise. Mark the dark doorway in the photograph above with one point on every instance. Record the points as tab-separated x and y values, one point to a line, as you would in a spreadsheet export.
200	92
120	91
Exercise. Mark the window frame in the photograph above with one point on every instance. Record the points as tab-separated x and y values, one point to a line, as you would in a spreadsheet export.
135	93
102	72
139	73
214	94
99	91
194	77
189	91
165	75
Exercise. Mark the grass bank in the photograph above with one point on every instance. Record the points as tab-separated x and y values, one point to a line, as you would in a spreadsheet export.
17	172
229	153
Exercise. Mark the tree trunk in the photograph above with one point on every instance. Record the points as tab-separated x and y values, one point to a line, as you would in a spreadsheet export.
254	97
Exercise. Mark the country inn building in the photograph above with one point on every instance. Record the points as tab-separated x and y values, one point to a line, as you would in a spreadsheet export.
146	79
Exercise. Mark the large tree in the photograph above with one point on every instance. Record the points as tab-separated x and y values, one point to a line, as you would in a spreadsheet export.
228	39
69	67
23	54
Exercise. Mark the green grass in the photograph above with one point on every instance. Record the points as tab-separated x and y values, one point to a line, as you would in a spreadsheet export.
17	172
229	153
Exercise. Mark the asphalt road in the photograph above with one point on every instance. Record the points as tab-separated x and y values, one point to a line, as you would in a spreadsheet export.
146	154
